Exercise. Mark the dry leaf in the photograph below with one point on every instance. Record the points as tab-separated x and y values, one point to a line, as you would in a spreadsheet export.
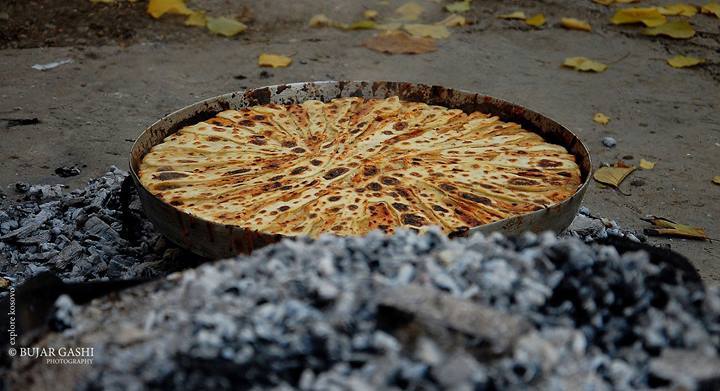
610	2
646	164
649	16
601	118
225	26
711	9
678	9
680	29
396	42
320	20
458	6
389	26
370	14
514	15
684	61
575	24
584	64
436	31
453	20
536	21
665	227
612	175
274	60
158	8
196	19
716	179
410	11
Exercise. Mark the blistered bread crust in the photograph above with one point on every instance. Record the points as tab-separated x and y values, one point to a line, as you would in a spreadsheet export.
352	165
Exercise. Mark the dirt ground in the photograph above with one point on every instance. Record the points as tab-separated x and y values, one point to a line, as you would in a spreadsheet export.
128	70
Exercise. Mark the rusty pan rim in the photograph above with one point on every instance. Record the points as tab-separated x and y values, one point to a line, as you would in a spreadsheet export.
581	152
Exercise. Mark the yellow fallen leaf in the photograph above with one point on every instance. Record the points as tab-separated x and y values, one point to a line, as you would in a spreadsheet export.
575	24
458	6
584	64
688	10
158	8
453	20
359	25
612	175
400	42
711	9
436	31
610	2
196	19
646	164
679	29
274	60
536	21
716	179
666	227
389	26
370	14
410	11
684	61
649	16
519	15
225	26
601	118
320	20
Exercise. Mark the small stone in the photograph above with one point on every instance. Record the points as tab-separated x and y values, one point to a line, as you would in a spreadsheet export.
609	142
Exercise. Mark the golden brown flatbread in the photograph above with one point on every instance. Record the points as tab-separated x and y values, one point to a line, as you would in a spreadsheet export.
352	165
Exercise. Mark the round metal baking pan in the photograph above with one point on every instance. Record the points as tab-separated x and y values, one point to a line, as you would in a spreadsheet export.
215	240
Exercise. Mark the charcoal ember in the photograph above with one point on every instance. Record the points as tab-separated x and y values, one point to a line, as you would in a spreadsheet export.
45	192
22	187
7	226
41	237
66	171
28	226
95	226
92	217
67	255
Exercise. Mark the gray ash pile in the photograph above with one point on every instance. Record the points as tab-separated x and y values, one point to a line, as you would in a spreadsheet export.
406	312
96	232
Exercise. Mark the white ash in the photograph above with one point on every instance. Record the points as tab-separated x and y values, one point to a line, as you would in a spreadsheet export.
78	234
305	314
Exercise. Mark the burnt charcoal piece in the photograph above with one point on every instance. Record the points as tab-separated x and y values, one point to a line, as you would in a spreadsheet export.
65	171
12	122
